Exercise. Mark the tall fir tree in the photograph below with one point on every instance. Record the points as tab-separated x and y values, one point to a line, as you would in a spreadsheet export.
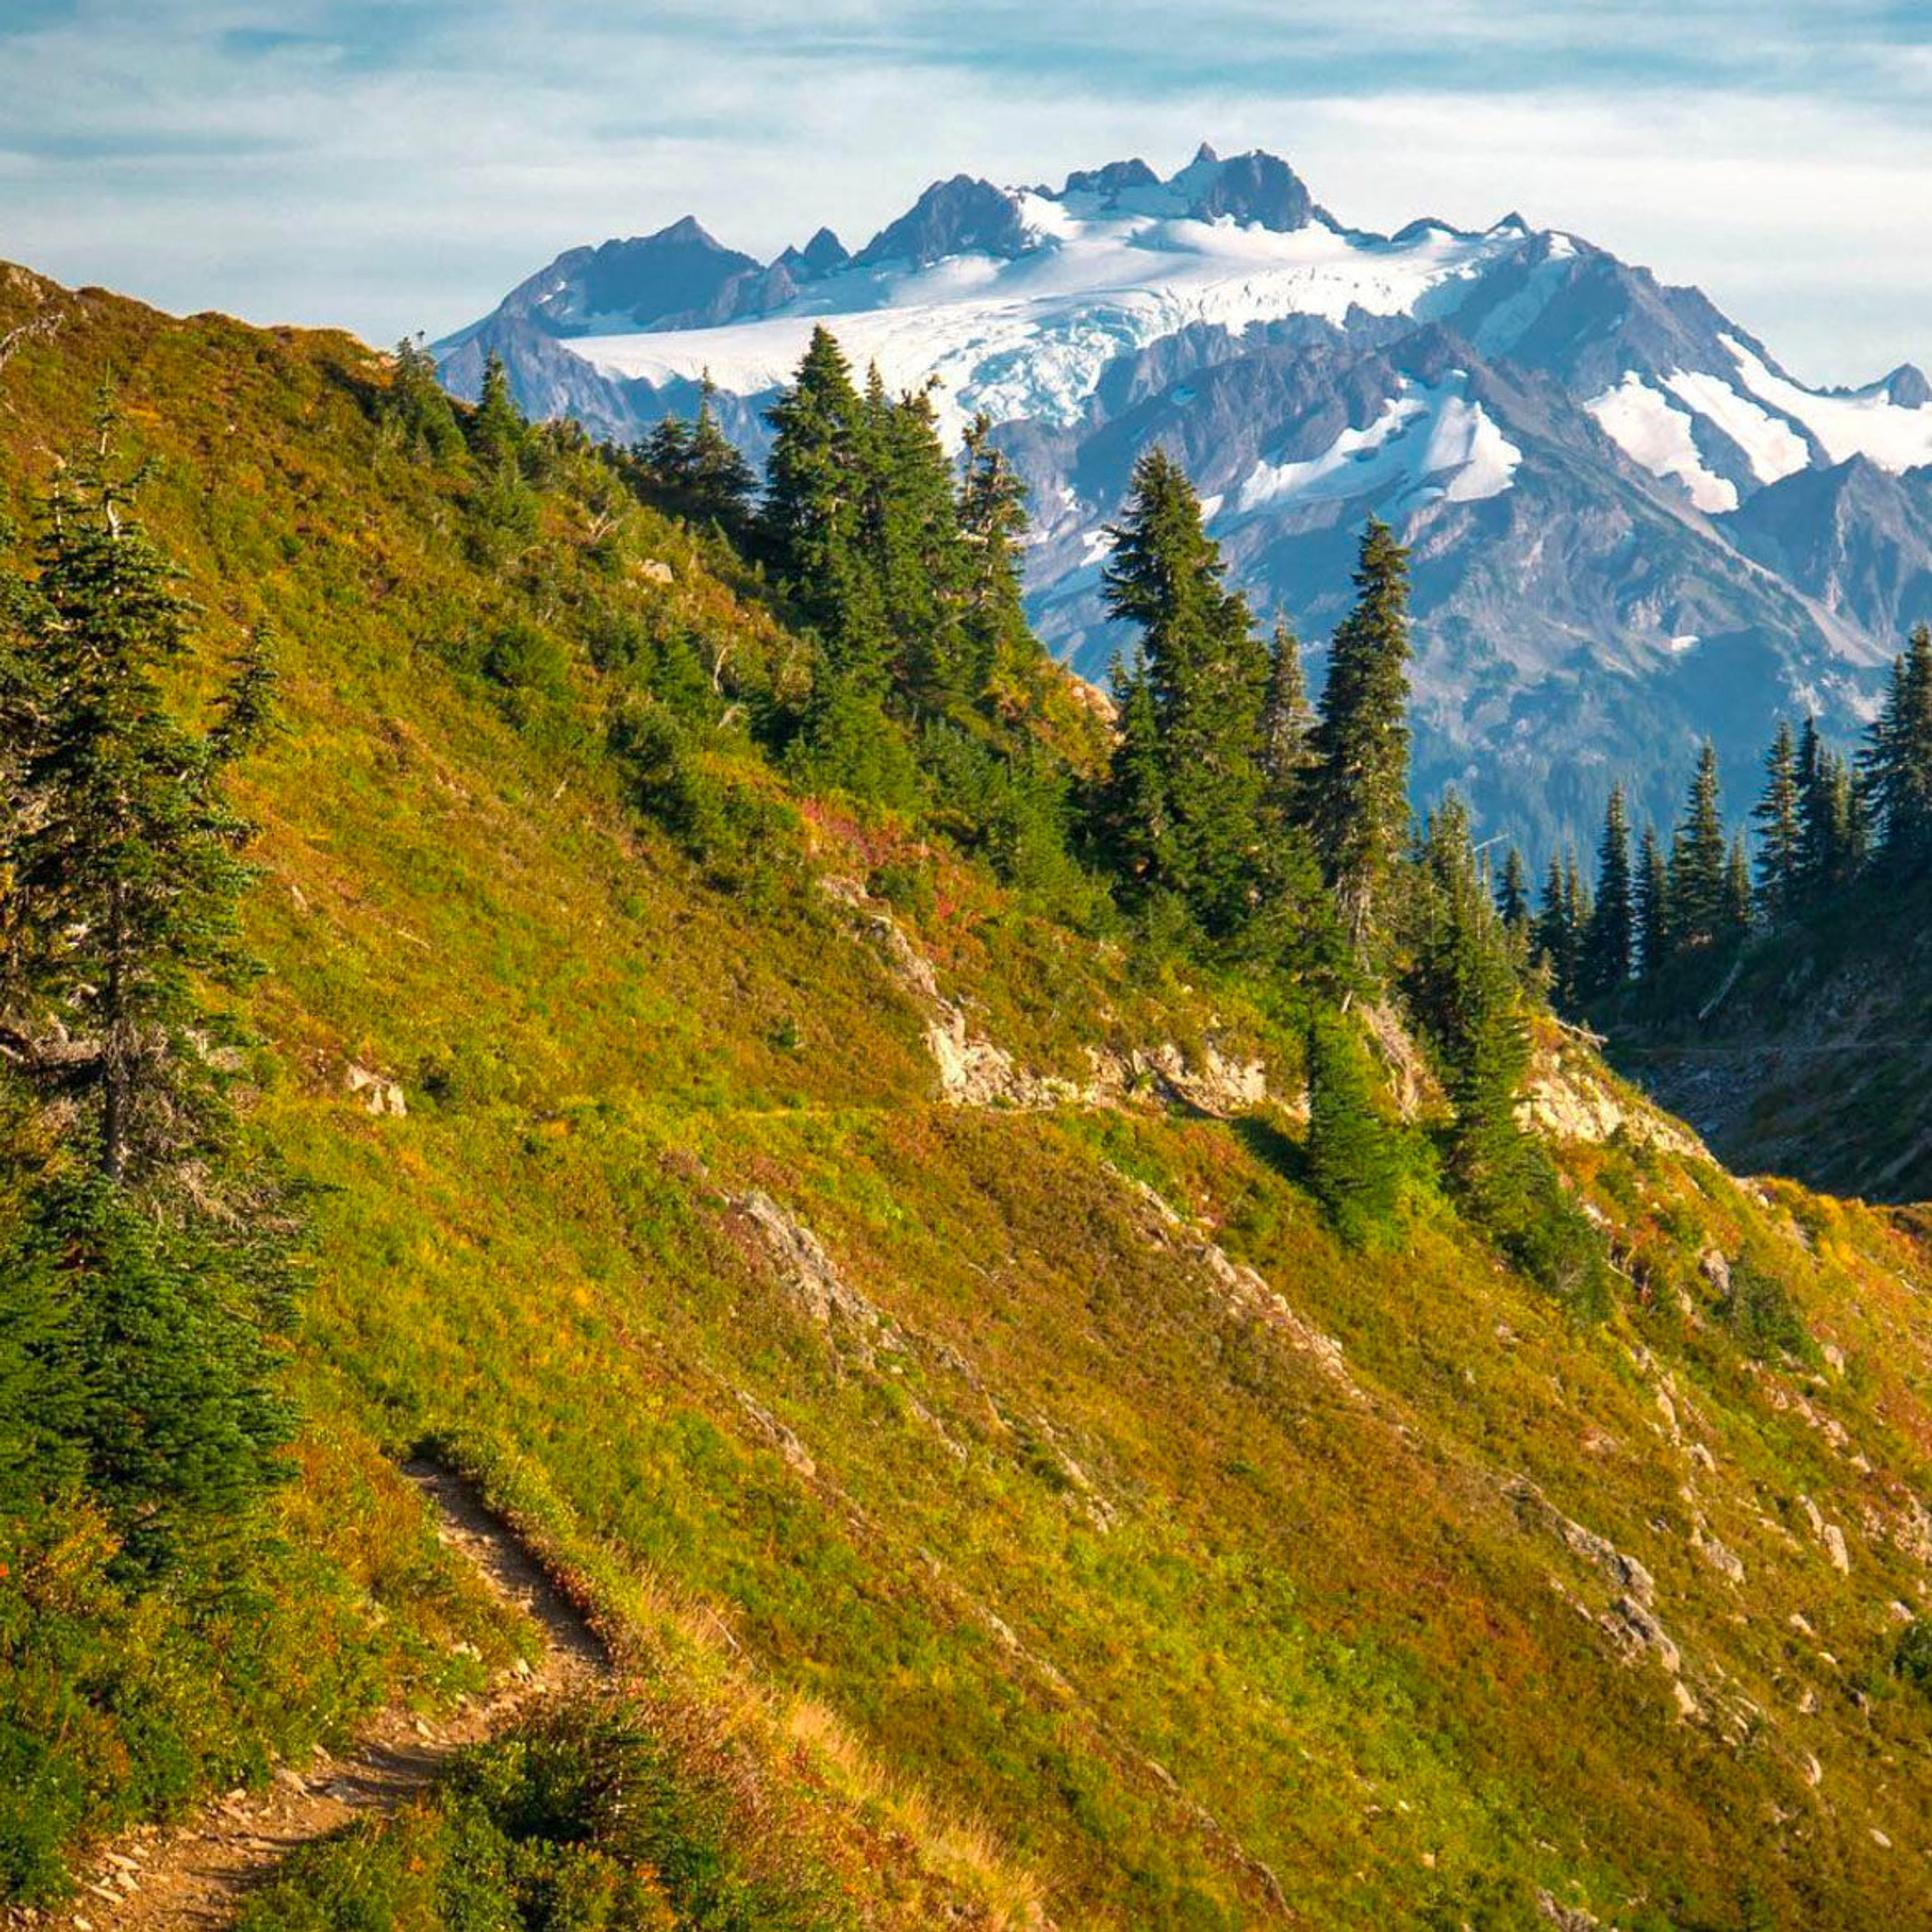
815	483
1205	672
1779	829
1851	832
1357	811
1134	811
1554	937
417	411
992	518
1700	861
1895	768
1353	1165
1740	900
147	1249
696	469
497	429
912	533
1578	910
1513	904
1654	942
1833	830
1465	991
718	482
1607	943
122	855
1287	721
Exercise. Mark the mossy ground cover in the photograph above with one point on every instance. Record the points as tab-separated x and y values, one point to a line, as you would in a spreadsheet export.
1064	1540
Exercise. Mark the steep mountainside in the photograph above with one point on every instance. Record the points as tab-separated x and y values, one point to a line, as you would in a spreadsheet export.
1632	527
903	1316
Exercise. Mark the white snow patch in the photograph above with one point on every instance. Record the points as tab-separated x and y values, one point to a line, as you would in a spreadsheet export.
1657	437
1512	319
1095	547
1863	422
1689	641
1030	337
1774	448
1429	441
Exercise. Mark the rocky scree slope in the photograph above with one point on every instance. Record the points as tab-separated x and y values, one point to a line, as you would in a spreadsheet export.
1037	1491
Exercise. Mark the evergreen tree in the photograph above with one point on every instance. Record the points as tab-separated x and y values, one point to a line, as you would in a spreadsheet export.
1740	904
1358	808
1554	937
1287	720
1835	832
1851	822
1513	896
122	854
1134	812
1895	775
146	1257
1816	859
1578	910
718	482
1700	862
1206	674
1606	946
910	533
1780	831
992	521
696	469
1654	942
815	484
664	453
417	410
1353	1164
1467	994
497	429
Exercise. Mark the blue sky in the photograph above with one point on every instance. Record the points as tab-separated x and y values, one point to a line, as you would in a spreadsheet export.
393	164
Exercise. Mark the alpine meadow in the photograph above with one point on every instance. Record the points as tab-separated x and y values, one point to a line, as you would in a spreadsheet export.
1070	1075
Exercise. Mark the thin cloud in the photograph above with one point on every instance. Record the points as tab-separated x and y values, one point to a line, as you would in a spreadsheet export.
394	165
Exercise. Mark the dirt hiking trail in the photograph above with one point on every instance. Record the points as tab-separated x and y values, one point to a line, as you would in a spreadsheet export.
199	1874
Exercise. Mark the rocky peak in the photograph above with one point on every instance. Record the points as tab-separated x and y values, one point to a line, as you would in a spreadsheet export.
951	218
1255	187
1115	178
1907	387
641	280
820	256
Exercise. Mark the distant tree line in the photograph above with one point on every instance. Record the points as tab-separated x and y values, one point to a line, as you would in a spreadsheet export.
1825	830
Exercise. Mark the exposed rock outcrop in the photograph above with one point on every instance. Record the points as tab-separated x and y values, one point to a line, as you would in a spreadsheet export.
379	1093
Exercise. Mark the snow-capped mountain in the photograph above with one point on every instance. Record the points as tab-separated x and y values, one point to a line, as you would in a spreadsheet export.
1630	526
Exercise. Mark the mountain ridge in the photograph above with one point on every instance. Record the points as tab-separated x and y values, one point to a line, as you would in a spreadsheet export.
1639	421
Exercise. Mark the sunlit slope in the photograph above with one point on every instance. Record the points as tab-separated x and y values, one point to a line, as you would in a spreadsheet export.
1224	1577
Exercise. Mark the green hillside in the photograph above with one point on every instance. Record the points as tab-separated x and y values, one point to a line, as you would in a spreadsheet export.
894	1300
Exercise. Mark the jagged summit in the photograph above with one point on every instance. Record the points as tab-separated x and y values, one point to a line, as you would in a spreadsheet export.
819	256
951	218
1112	179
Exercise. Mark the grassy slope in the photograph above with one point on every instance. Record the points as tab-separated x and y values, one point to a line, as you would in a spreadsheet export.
1065	1543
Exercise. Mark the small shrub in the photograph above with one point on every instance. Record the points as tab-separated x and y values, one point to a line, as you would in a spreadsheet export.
1911	1658
1758	1309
